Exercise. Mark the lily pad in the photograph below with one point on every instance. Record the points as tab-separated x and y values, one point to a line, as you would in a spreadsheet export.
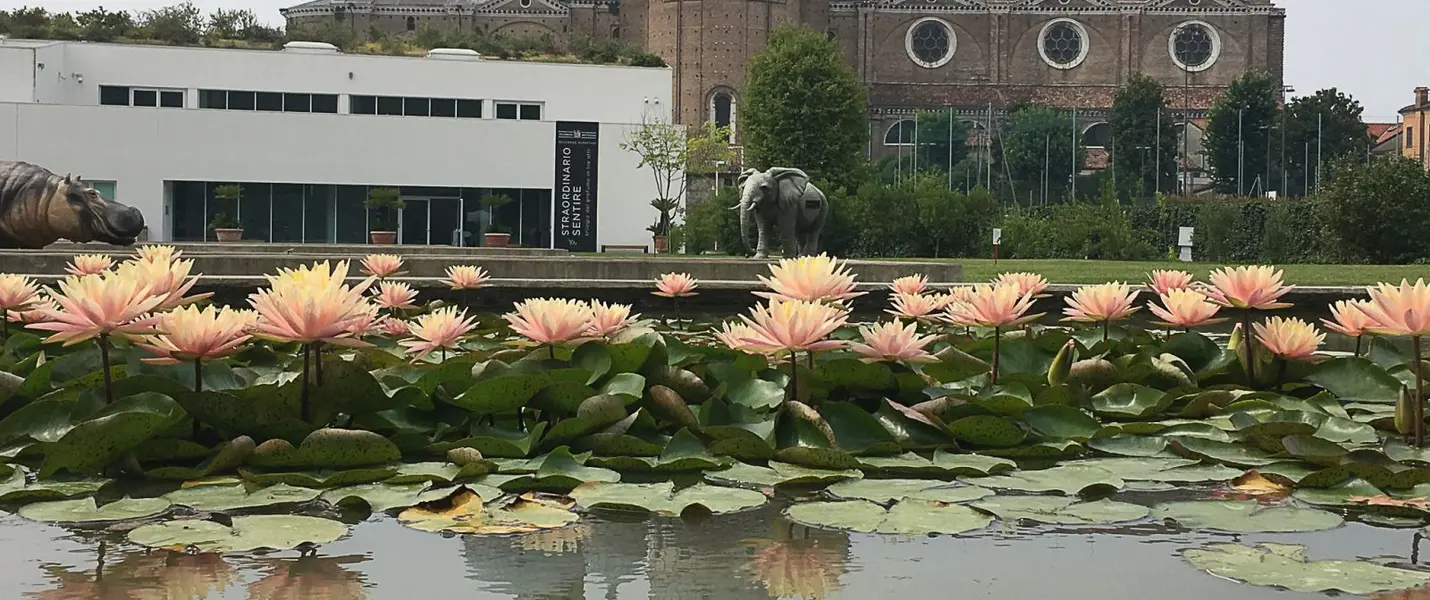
114	430
987	430
910	517
1068	479
1286	566
321	478
497	443
84	510
1227	453
227	456
15	490
248	533
1130	401
467	512
1130	445
1137	469
1058	421
559	472
328	449
439	472
945	465
221	498
885	491
1060	511
382	497
662	498
684	452
778	473
1246	516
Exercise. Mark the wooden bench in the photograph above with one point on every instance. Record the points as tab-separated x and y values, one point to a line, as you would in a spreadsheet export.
625	248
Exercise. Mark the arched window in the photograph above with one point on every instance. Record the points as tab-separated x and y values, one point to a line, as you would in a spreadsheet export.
615	32
722	110
1097	135
900	134
412	23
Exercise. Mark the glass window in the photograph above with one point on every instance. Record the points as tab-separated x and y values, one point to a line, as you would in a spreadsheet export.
535	218
363	105
469	109
411	23
253	210
318	211
270	101
389	105
1063	44
105	188
213	99
186	205
351	221
931	42
531	112
416	107
506	110
297	103
171	99
444	107
325	103
1193	45
722	103
146	98
113	95
240	100
216	205
287	212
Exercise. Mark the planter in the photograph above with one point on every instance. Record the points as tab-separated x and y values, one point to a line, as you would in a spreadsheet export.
228	235
382	238
497	240
659	241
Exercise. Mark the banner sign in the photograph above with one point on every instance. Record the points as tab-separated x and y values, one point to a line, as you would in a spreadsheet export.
575	189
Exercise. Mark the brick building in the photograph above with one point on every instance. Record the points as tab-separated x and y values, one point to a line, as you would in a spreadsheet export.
973	56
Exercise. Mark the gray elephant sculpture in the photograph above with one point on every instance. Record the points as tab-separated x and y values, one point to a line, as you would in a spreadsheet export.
784	203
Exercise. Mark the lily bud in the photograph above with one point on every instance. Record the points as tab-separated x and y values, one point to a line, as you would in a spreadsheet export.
1062	364
1404	412
1237	336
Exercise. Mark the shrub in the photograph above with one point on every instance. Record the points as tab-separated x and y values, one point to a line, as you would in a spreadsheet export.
1378	210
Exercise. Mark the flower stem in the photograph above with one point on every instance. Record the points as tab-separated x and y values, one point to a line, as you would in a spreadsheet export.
303	398
1105	325
677	312
1248	338
1358	340
1419	394
793	376
104	364
5	322
994	376
198	387
1280	371
318	364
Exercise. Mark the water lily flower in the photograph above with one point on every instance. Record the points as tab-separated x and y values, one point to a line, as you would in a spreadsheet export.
1185	308
1254	287
960	293
738	336
893	342
918	306
1402	310
311	304
910	285
89	264
1163	281
1101	303
1002	305
99	305
1030	284
394	295
1289	338
367	323
394	327
169	278
809	279
191	333
607	319
36	314
466	277
18	294
157	253
550	320
382	265
676	285
1349	318
440	329
795	325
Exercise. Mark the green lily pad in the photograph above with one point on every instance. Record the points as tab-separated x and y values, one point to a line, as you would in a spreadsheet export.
467	512
778	473
1337	495
1356	380
1227	453
1058	421
439	472
756	393
1137	469
220	498
383	497
885	491
1060	511
662	498
1343	430
987	430
248	533
265	411
1068	479
943	465
1302	475
321	478
1130	401
499	394
1313	450
15	490
114	430
1285	566
227	456
910	517
1130	445
328	449
684	452
84	510
497	443
559	472
1246	516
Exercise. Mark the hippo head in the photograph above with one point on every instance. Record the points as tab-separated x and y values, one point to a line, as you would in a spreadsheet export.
80	214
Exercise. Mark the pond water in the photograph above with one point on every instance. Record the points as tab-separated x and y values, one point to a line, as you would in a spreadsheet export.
755	554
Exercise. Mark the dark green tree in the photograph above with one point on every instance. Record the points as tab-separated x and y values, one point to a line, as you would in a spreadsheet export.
1143	129
1239	133
1038	147
28	22
1378	210
805	108
1325	125
100	25
940	133
177	24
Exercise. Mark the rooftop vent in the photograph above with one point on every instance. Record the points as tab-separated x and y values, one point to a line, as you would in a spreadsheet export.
454	54
310	48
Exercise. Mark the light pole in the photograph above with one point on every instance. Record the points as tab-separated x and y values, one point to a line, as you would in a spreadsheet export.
1240	155
1285	116
1186	116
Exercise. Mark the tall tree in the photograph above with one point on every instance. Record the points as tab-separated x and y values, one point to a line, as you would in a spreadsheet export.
1378	210
1321	128
1237	143
940	133
1143	129
1038	148
804	108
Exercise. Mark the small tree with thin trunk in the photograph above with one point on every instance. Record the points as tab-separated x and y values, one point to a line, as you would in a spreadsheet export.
673	153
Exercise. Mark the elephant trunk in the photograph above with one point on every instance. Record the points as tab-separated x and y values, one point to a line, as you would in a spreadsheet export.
745	208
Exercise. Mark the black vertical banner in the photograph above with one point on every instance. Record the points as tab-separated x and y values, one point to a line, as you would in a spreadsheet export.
575	190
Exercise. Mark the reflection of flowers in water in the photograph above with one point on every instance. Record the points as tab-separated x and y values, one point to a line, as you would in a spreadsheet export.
799	566
157	575
554	541
309	578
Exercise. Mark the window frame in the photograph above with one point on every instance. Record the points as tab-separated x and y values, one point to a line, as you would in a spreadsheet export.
520	106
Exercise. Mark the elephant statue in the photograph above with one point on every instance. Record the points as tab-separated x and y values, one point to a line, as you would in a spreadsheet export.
784	203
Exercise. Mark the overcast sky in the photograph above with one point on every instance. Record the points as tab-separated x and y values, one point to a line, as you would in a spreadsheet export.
1372	49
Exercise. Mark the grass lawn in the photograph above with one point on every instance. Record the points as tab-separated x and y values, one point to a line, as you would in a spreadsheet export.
1101	271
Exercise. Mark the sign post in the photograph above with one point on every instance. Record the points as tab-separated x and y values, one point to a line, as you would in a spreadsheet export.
1184	243
574	194
997	239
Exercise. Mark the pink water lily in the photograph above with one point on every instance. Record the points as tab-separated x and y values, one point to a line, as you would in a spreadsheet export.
89	264
99	305
168	278
382	265
1001	305
395	295
441	329
311	304
1289	338
893	342
466	277
738	336
795	325
918	306
1163	281
551	321
1349	318
1101	303
1185	308
607	319
676	285
809	279
190	333
394	327
1030	284
910	285
1254	287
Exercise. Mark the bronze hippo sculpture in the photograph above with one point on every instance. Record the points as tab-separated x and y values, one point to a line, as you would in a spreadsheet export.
38	208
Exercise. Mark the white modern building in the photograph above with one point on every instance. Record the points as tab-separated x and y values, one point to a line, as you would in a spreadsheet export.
307	131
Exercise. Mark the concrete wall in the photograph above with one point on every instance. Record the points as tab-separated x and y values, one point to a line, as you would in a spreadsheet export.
17	64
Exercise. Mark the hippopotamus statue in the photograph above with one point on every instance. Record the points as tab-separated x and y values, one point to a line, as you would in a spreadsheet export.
38	208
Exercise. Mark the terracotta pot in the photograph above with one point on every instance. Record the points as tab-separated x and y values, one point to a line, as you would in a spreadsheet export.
497	240
659	244
228	235
382	238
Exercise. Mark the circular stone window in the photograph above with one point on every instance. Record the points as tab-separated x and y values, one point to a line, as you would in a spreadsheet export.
1063	43
1195	46
930	42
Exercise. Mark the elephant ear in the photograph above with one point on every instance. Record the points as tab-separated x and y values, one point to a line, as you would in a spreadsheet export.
745	175
795	176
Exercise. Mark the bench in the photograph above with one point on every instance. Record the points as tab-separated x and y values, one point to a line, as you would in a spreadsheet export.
625	248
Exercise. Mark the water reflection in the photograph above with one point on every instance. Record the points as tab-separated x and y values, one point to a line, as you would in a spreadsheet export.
798	562
139	575
309	578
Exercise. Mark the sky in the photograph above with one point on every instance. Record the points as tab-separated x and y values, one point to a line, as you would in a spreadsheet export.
1372	49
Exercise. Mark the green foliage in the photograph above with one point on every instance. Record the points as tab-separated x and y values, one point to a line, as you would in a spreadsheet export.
1377	211
710	224
804	108
673	154
1239	134
385	203
223	221
1095	232
1038	147
940	133
1324	127
1137	118
920	217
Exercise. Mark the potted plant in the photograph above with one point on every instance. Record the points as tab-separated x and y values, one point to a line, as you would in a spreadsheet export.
660	231
497	235
226	228
384	204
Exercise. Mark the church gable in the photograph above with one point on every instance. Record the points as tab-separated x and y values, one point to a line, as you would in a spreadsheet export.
1196	5
520	6
1066	4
